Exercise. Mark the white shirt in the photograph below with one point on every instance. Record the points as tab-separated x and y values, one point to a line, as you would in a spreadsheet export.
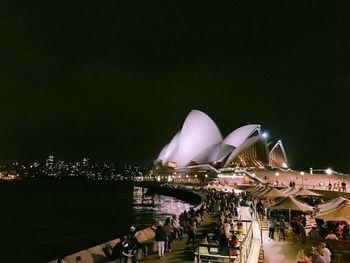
331	237
326	255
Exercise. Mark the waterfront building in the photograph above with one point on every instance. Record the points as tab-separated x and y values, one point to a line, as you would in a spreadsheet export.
199	147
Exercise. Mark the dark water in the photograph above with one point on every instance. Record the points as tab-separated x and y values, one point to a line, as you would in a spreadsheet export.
41	221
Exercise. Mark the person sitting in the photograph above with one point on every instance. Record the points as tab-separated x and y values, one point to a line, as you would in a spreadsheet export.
318	257
234	245
331	236
301	258
326	253
120	251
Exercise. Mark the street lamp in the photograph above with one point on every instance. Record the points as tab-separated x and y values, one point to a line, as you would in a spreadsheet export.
329	172
302	178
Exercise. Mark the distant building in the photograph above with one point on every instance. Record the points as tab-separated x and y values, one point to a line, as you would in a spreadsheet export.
200	142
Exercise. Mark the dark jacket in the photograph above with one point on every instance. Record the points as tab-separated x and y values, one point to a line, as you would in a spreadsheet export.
160	234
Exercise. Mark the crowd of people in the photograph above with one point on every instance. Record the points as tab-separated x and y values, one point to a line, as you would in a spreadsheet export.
227	205
226	232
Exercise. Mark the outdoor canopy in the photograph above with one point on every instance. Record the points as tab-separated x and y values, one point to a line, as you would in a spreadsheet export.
331	204
341	213
273	193
292	204
289	203
305	192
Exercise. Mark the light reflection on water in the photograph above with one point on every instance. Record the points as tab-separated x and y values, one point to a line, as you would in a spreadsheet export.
151	208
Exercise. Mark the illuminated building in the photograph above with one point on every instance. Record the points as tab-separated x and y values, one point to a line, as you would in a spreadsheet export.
200	142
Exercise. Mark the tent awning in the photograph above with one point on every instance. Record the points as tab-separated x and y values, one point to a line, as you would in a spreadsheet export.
290	203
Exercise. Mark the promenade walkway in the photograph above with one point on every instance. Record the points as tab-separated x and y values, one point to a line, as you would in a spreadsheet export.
281	251
179	253
284	251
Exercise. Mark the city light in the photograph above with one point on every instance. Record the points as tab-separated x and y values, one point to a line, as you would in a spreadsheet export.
265	135
329	171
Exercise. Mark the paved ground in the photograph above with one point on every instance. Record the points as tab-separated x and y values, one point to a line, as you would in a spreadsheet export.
281	251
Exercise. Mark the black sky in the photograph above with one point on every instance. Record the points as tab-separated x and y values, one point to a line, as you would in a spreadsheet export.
114	80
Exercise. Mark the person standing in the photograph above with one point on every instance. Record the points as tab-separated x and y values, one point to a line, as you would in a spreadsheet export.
169	233
251	210
160	238
177	228
314	236
283	227
272	225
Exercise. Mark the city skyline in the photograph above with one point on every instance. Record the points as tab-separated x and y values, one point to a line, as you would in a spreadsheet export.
115	81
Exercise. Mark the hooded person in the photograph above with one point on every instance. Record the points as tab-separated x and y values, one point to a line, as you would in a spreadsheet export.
161	238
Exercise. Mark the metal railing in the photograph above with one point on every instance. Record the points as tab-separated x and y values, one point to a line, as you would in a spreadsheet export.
222	253
246	245
215	253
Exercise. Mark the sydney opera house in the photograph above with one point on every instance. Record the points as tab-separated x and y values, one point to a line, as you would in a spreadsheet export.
200	143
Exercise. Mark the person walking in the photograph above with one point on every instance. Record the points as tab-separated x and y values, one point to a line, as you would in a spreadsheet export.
191	232
160	238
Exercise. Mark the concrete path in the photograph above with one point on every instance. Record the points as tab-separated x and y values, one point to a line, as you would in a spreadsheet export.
281	251
278	251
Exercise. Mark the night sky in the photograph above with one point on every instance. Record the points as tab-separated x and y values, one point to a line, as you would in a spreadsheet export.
114	80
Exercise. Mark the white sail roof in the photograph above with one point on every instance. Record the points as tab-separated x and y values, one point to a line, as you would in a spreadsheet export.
198	133
200	141
243	146
238	136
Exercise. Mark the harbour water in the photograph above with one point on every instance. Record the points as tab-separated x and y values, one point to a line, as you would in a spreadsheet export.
41	221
